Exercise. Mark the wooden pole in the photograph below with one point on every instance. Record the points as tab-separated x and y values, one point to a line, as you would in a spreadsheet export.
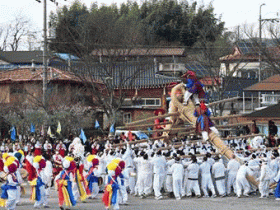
152	118
226	117
224	100
197	155
234	125
245	136
192	128
129	127
140	141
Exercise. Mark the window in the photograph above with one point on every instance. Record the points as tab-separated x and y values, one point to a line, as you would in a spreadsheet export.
17	89
127	117
151	102
142	102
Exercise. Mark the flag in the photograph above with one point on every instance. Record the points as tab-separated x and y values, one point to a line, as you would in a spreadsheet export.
32	128
97	124
42	131
130	136
112	128
13	133
83	136
58	130
50	132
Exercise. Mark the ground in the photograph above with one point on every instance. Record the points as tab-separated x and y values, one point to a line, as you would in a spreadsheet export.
227	203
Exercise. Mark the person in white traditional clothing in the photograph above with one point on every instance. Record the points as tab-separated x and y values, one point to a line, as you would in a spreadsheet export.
39	164
27	148
256	142
77	148
218	171
168	180
177	171
145	176
192	183
241	180
266	174
16	147
206	179
4	148
232	168
122	178
11	185
49	176
129	167
47	147
19	155
159	169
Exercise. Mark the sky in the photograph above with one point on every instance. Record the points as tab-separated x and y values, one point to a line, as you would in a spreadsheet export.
234	12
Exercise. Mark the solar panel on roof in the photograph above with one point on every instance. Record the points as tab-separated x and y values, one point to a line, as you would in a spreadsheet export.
200	70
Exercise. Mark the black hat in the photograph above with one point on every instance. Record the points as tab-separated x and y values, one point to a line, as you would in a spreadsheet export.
216	157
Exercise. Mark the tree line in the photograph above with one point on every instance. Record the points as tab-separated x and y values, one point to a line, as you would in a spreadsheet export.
79	30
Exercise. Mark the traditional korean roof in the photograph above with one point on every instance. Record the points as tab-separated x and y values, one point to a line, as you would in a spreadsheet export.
16	59
249	51
270	84
36	74
268	112
157	52
22	57
233	87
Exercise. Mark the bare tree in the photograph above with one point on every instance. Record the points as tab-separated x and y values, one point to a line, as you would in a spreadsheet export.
16	34
4	35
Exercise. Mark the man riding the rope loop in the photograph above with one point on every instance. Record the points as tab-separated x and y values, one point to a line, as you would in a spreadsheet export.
193	87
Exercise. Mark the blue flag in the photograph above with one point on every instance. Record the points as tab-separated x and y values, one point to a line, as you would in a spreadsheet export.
32	128
83	136
112	128
13	133
97	124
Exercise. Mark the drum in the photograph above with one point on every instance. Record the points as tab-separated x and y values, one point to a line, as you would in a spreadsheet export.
3	176
23	173
100	181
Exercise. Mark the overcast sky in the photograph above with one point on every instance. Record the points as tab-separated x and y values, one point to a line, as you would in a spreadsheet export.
234	13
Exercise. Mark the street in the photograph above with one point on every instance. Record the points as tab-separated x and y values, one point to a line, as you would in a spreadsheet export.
226	203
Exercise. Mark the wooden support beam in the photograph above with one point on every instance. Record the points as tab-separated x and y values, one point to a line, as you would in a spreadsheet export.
140	141
245	136
130	127
197	155
186	133
226	117
259	149
190	128
224	100
174	129
234	125
152	118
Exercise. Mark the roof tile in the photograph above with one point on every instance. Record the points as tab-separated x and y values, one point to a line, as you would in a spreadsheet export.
270	84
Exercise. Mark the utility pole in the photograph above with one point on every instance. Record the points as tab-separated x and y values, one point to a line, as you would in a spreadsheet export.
260	50
260	42
45	65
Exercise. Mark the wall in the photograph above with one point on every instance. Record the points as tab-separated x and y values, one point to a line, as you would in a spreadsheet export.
4	93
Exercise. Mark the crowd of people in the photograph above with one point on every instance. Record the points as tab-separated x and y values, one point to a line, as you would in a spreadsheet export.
146	169
118	166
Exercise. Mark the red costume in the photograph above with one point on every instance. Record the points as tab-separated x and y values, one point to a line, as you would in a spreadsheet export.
94	148
57	159
38	149
61	149
159	120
